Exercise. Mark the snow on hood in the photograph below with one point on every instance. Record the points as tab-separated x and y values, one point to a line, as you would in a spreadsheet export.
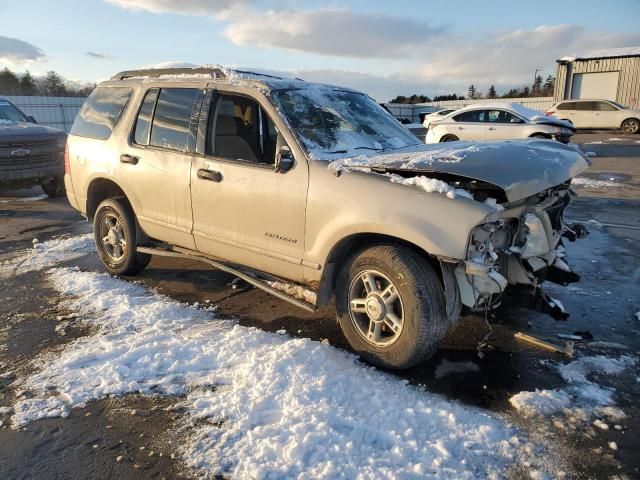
520	167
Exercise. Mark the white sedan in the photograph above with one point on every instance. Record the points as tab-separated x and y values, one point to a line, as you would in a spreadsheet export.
498	121
597	114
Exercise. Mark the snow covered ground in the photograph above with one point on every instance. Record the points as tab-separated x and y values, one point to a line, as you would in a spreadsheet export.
258	405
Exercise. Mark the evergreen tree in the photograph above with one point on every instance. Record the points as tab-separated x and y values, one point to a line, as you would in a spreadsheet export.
525	92
549	86
472	92
9	82
54	84
536	88
28	84
492	92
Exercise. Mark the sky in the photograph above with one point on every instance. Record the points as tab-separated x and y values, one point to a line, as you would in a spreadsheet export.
385	48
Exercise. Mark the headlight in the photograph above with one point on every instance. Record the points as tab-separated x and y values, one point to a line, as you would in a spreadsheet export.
536	240
486	240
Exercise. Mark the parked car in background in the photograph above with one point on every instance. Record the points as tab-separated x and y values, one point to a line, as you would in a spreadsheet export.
430	117
498	121
597	114
279	179
30	154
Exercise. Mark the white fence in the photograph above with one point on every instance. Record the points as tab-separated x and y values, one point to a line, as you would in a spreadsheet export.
412	112
57	112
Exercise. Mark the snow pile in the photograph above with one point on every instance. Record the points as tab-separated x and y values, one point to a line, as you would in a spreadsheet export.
47	254
295	291
540	402
582	397
431	185
592	183
260	405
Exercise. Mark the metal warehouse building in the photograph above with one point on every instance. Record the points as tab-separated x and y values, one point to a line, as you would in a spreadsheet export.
611	74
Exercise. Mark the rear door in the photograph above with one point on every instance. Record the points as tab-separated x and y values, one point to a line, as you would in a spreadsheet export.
243	210
157	163
503	125
469	125
583	115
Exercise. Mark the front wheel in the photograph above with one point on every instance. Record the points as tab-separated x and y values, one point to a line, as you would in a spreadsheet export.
391	306
54	188
114	231
631	125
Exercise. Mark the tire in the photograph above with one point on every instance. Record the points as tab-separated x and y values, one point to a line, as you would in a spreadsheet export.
115	235
631	126
54	188
420	306
449	138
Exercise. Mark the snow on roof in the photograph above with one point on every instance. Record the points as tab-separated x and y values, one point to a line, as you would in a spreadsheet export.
602	53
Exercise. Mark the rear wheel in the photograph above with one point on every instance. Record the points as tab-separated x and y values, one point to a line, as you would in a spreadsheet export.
391	306
114	231
449	138
631	125
54	188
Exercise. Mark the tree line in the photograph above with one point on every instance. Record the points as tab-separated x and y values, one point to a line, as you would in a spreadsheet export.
51	84
539	88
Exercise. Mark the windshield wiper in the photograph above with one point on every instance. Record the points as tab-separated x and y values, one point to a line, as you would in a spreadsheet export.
358	148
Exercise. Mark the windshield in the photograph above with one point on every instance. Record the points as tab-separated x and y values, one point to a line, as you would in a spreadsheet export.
336	122
9	113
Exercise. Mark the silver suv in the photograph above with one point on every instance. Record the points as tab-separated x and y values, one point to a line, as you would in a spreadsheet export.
282	182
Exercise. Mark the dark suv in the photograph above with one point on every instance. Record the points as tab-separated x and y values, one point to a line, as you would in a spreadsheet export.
30	154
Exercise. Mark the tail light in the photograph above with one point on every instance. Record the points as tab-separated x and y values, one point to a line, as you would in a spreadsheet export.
549	113
67	167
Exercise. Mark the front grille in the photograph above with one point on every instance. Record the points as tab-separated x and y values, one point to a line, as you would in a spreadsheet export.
29	143
32	161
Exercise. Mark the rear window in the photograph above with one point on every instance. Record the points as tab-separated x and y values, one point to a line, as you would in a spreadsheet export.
100	113
175	115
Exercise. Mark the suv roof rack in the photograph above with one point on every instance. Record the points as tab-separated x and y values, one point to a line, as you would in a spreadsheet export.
157	72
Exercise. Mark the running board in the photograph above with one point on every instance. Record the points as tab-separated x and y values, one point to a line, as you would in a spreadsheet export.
225	268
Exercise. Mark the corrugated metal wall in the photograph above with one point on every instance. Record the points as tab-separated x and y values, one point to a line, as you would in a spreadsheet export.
628	83
57	112
401	110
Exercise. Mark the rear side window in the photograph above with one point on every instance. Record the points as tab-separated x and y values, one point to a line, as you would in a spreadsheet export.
471	116
100	113
175	118
585	106
143	122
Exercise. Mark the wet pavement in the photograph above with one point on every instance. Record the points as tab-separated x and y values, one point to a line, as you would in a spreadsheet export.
113	438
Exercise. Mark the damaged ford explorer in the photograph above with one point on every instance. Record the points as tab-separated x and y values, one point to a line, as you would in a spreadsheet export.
312	192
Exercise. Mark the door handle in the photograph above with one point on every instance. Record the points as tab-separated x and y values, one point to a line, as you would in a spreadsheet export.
491	128
210	175
130	159
460	128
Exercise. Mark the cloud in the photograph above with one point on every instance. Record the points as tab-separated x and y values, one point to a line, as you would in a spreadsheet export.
17	51
509	58
99	56
336	31
187	7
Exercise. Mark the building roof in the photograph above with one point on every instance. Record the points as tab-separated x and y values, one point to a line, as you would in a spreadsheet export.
602	53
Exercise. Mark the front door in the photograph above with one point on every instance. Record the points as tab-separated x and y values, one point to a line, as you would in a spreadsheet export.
243	210
605	115
503	125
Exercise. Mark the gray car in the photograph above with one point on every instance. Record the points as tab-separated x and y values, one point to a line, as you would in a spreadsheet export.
316	187
30	154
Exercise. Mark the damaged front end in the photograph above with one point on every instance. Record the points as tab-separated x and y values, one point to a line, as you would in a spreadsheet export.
518	251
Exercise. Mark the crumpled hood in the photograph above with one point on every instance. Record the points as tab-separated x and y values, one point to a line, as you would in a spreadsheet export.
519	167
548	120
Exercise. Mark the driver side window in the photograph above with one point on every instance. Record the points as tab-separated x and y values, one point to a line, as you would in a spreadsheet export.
239	129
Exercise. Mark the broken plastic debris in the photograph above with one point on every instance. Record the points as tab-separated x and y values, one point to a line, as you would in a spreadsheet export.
566	336
567	350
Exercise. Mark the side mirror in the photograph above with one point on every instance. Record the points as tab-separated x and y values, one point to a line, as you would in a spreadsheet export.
32	119
284	159
516	120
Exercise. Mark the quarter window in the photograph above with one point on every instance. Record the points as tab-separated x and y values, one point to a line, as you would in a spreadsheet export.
175	119
143	122
566	106
100	112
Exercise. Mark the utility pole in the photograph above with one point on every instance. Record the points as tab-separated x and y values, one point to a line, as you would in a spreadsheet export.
535	75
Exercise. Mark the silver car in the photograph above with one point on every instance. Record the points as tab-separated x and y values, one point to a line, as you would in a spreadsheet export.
279	181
